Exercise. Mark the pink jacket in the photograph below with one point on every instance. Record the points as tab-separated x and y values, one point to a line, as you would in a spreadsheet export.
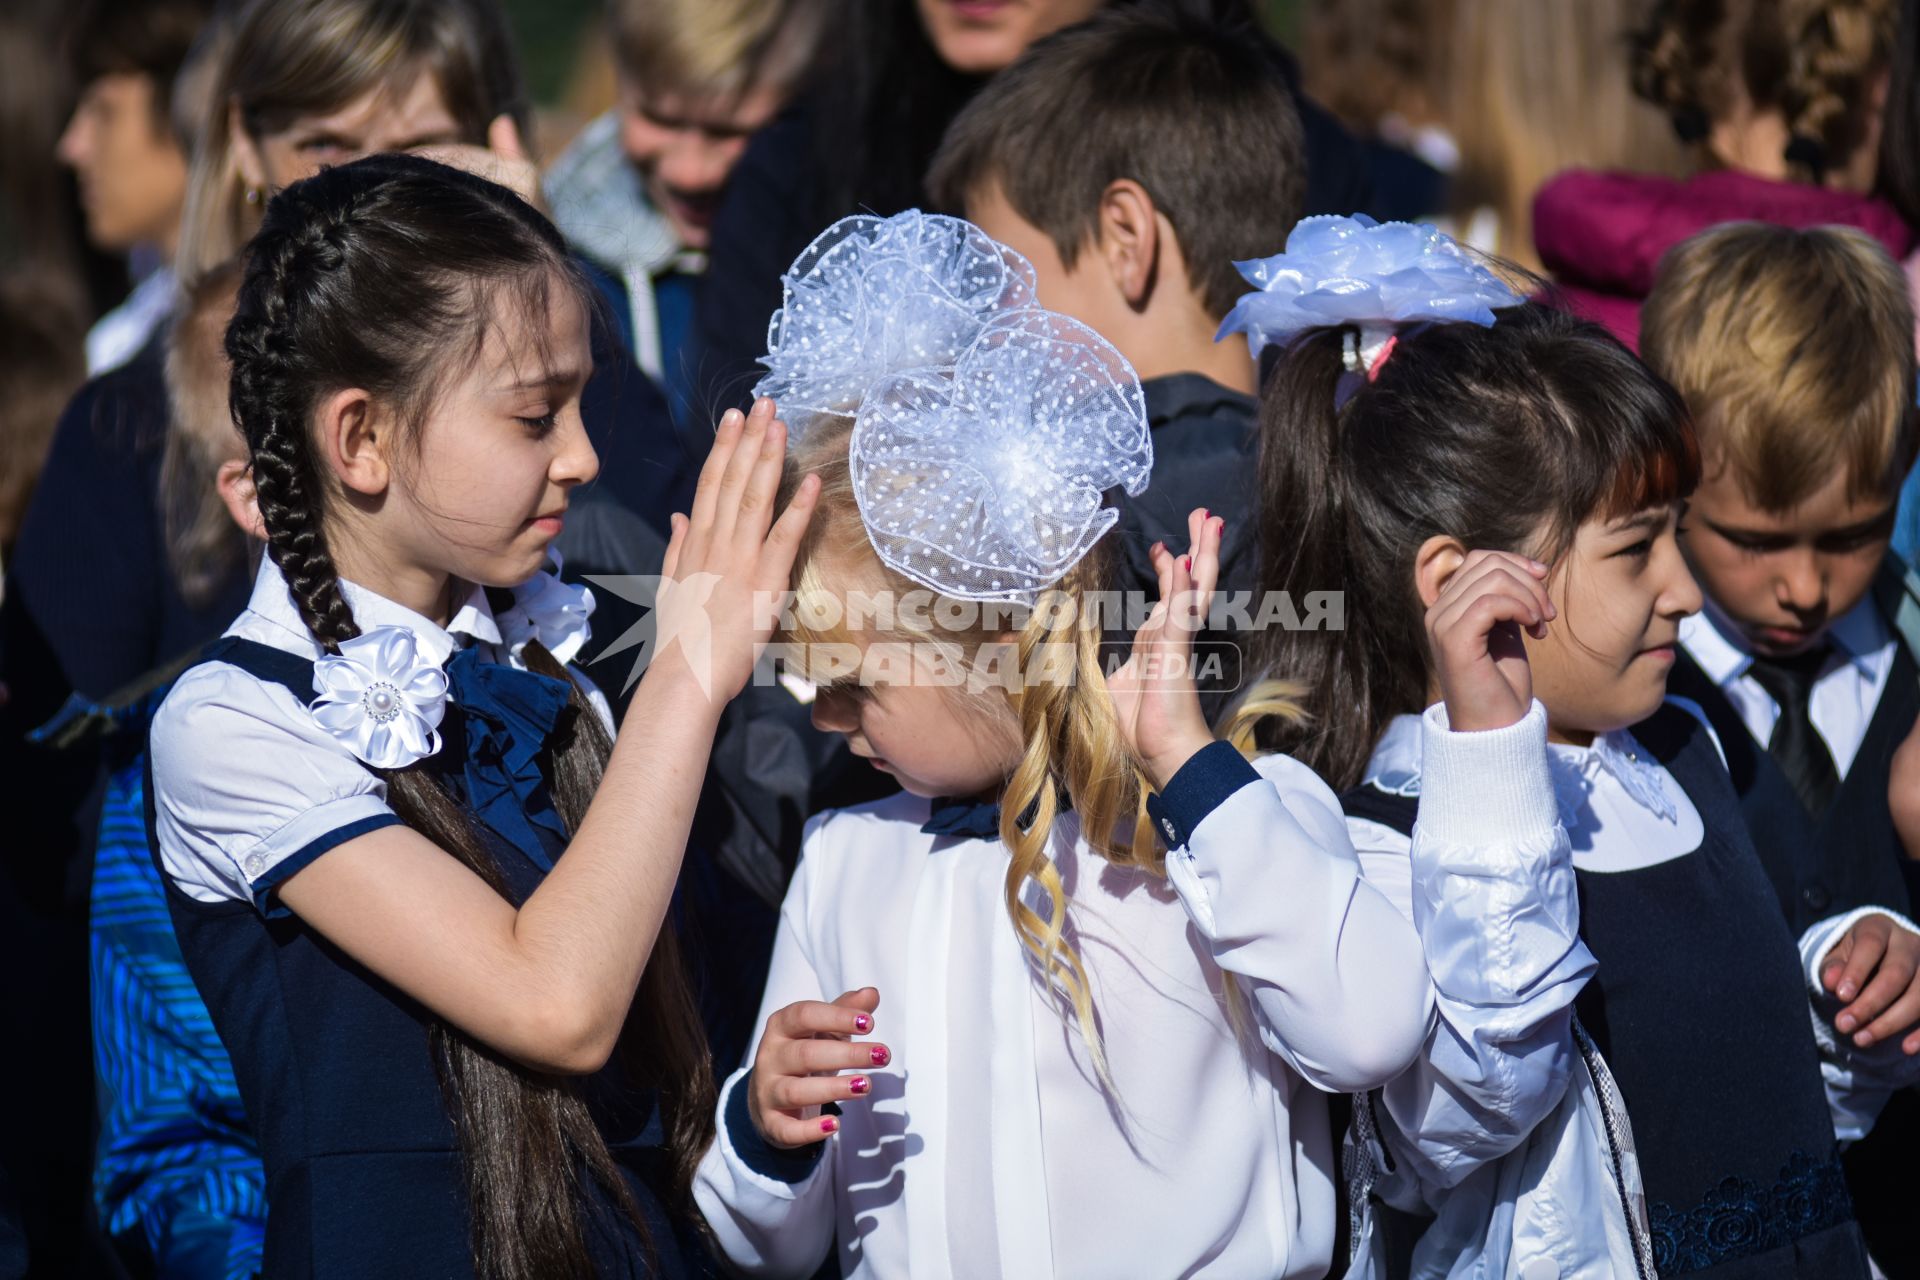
1602	235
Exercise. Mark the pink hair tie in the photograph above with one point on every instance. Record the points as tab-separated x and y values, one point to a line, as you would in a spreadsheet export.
1386	349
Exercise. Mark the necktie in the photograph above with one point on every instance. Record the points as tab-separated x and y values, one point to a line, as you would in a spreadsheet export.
1796	746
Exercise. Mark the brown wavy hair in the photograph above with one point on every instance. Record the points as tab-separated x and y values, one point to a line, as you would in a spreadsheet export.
380	274
1814	61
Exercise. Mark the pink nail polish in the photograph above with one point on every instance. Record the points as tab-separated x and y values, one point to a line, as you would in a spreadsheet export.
1186	562
828	1124
859	1084
862	1023
880	1056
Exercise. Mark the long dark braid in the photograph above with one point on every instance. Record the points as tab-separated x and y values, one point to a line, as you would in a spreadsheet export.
356	279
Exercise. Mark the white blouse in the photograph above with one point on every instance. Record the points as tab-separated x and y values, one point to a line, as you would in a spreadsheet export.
987	1148
248	787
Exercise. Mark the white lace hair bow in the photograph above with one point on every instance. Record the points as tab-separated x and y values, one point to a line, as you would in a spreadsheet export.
986	429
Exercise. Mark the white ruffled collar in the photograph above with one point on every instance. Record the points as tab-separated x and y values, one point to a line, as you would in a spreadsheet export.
1395	769
384	694
1574	771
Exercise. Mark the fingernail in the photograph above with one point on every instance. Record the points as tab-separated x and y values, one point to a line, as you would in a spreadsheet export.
1204	513
1846	991
1864	1039
862	1023
829	1125
1845	1022
880	1055
860	1084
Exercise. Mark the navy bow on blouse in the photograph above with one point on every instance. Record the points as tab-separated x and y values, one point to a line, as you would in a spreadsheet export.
507	716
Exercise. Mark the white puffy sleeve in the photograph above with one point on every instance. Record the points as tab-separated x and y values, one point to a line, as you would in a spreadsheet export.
1262	864
248	789
1493	895
770	1210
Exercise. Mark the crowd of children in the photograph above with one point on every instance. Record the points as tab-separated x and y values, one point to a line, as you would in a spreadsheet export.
934	654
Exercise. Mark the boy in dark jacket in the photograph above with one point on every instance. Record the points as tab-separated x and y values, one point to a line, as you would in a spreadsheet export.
1133	159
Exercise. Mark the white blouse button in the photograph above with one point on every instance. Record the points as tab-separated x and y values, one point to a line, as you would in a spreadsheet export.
255	865
1166	825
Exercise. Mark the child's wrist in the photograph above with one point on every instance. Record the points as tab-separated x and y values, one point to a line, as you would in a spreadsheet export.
1164	764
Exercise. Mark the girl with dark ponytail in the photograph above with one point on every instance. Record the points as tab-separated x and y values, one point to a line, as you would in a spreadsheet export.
1497	489
422	890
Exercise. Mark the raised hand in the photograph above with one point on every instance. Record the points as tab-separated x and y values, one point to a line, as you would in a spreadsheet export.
1153	692
728	562
503	160
1473	632
796	1070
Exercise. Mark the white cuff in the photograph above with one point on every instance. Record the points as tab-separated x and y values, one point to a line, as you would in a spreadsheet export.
1818	942
1486	787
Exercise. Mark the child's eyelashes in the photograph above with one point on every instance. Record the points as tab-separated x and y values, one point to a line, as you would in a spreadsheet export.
539	427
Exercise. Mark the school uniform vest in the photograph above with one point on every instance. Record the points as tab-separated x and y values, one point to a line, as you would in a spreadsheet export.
1699	999
364	1176
1848	857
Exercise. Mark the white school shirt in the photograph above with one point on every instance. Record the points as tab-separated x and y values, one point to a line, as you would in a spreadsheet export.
986	1148
247	787
1844	697
1614	808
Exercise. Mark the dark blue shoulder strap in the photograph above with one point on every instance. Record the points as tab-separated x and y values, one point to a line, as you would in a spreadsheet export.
264	662
1395	812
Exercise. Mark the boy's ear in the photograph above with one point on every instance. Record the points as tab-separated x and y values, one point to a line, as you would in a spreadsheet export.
355	441
1129	239
1438	559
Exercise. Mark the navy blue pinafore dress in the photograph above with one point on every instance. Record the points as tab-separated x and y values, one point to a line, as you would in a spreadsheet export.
364	1176
1700	1006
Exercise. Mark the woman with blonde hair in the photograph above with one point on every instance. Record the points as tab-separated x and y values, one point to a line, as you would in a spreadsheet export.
1536	87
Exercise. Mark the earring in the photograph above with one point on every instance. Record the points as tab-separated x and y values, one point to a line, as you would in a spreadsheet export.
253	195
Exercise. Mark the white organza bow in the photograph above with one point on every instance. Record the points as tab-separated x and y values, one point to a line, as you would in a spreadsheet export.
986	429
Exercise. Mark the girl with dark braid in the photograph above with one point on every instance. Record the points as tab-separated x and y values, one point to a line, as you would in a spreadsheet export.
422	890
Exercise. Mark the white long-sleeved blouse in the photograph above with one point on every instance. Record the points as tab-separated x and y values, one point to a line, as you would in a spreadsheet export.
987	1147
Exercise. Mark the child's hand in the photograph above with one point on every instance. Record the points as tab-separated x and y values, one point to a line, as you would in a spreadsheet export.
503	160
726	570
1874	966
797	1069
1473	631
1903	792
1153	691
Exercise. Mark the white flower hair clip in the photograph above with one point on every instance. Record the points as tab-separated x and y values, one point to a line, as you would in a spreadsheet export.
548	610
380	700
1355	271
872	296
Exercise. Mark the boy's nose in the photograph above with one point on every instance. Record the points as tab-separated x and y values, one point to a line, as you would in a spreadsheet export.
1801	586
